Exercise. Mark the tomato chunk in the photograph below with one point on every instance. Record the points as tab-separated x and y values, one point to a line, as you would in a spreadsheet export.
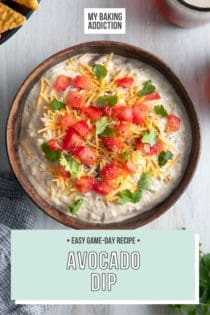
111	171
82	128
72	140
125	82
76	100
173	123
54	145
87	155
147	149
86	184
124	113
108	111
152	97
63	173
82	82
140	112
130	167
113	143
94	112
67	121
105	186
61	83
143	147
156	149
124	130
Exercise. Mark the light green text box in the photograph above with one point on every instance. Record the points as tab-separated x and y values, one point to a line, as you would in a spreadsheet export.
167	266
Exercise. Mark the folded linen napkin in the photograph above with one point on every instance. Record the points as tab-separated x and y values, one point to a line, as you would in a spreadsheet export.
14	214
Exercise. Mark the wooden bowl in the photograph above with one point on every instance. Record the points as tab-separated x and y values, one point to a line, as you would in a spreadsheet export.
14	122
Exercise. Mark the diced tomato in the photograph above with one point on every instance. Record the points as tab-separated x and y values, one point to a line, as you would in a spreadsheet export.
113	143
147	149
86	183
94	112
61	83
63	173
82	82
124	113
72	140
86	155
173	123
111	171
82	128
124	130
130	167
54	145
108	111
125	82
156	149
105	186
139	113
117	108
143	147
152	97
76	100
67	121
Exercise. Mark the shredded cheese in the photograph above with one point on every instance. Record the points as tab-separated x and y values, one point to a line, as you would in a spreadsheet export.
52	127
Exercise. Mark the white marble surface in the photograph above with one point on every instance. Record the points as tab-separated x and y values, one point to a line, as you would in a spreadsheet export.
59	24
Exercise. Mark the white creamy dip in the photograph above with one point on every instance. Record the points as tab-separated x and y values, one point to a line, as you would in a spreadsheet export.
199	3
94	209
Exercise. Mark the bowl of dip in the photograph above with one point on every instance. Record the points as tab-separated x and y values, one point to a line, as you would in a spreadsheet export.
185	13
103	135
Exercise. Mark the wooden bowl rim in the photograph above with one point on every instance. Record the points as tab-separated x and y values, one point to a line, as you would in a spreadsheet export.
124	49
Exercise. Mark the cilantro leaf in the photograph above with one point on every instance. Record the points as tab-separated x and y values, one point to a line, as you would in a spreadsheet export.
160	110
101	125
107	100
108	132
127	196
126	155
164	157
70	165
185	309
100	71
150	138
50	155
145	181
148	88
55	104
75	207
204	273
204	283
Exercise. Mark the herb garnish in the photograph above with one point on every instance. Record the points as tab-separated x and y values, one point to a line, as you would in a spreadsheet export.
50	155
55	104
108	132
101	125
100	71
107	100
148	88
70	165
164	157
75	207
145	181
126	155
150	138
126	196
204	306
160	110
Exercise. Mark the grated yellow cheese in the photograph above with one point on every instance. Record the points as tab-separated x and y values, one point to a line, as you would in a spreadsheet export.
53	127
